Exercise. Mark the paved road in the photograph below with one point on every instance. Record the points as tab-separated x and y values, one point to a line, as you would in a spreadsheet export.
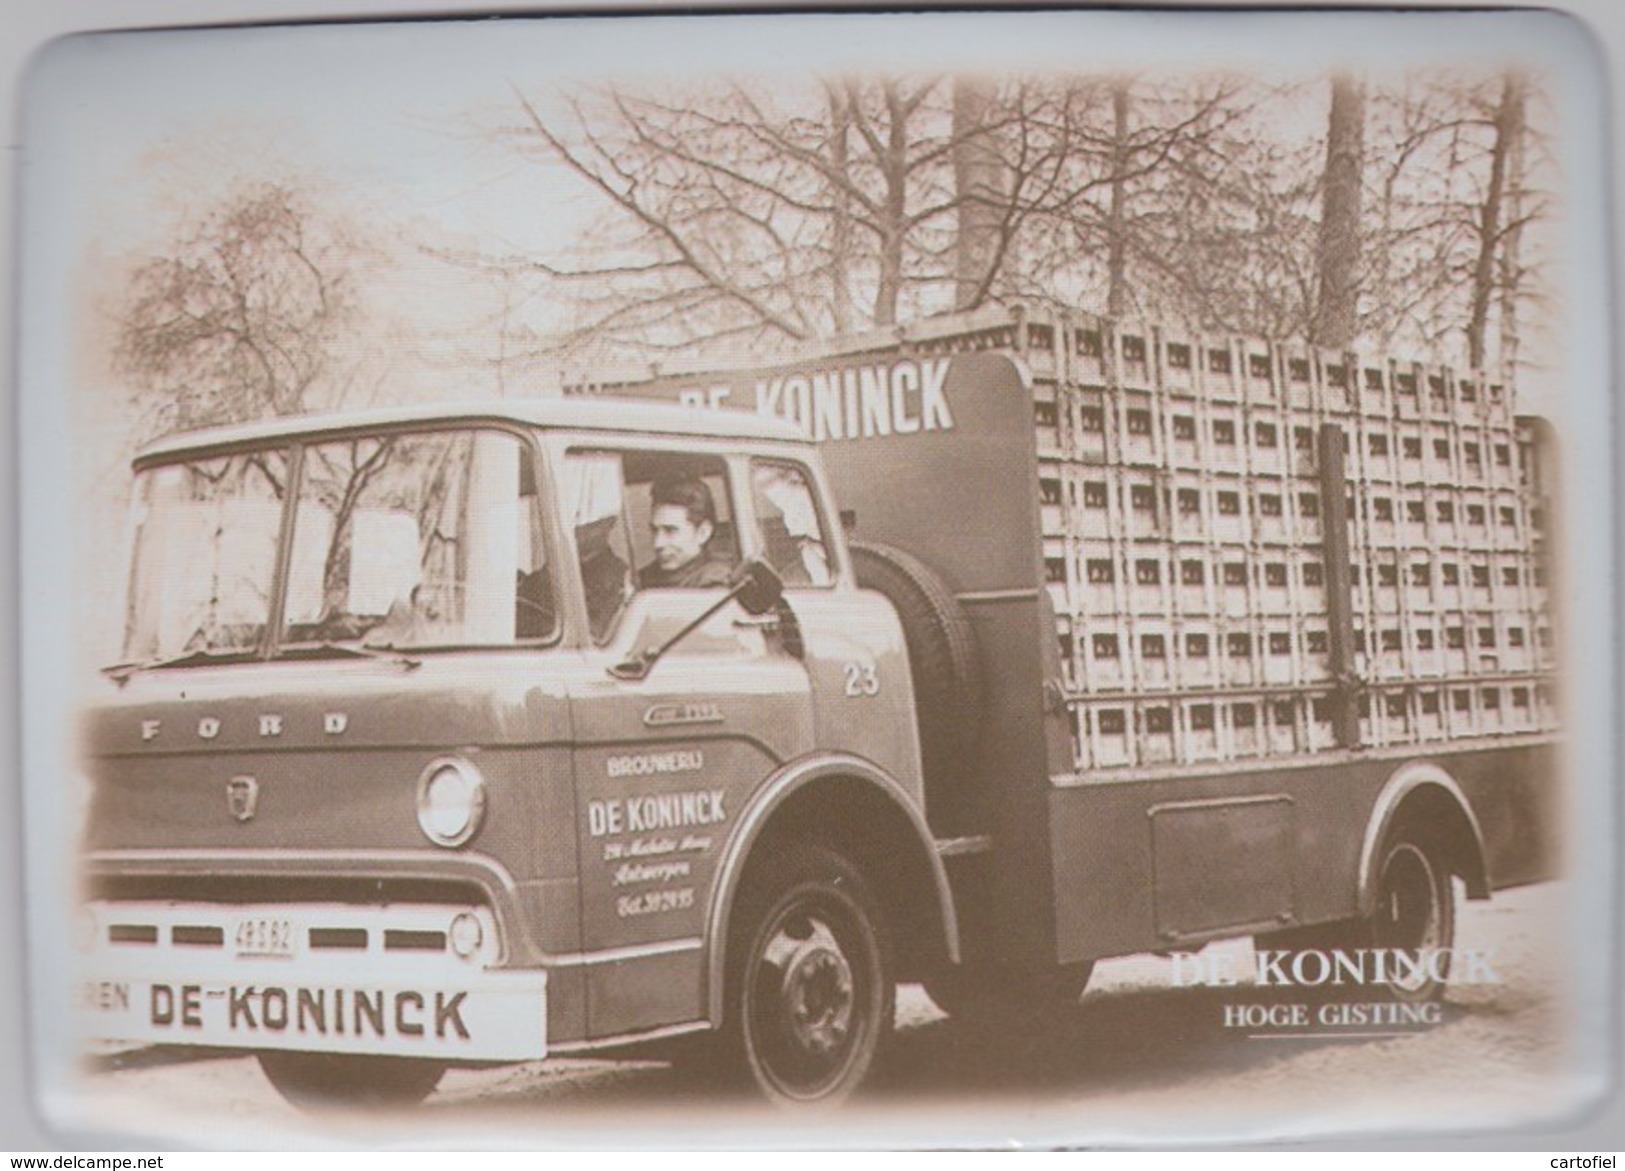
1138	1060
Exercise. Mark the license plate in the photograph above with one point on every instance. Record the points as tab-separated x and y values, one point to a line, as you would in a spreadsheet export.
502	1017
263	937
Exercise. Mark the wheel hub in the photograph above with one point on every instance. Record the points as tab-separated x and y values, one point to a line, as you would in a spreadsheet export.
817	993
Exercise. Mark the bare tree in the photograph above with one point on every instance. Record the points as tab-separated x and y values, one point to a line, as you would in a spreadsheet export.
1455	198
733	212
845	203
240	319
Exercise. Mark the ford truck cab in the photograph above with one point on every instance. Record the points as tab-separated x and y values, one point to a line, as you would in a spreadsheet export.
418	758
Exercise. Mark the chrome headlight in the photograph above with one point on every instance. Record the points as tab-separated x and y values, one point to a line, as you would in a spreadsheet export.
451	801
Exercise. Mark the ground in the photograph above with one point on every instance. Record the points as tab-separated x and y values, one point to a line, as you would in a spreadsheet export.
1138	1061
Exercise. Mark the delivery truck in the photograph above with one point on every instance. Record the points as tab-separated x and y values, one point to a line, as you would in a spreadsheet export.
969	655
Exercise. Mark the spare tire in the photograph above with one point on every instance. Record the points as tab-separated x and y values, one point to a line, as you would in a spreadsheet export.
947	674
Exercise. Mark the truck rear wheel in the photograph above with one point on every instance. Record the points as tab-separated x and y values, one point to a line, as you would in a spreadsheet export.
333	1081
1414	913
946	671
811	996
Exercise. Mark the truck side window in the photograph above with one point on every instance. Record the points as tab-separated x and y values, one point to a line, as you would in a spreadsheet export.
792	539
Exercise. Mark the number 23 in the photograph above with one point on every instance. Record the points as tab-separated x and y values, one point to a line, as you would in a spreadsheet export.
861	680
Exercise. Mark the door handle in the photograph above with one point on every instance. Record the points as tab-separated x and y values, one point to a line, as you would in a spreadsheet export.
757	622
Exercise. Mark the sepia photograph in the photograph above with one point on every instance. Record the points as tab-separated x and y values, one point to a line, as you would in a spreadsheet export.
818	579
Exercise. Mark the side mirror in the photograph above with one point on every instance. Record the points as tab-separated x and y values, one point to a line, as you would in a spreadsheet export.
757	587
758	590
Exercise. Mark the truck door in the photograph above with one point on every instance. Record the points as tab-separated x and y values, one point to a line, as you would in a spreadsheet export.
665	764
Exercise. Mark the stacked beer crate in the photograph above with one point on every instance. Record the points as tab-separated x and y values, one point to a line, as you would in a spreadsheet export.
1183	519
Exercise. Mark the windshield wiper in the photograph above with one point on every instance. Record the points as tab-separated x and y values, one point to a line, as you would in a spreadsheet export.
315	650
120	672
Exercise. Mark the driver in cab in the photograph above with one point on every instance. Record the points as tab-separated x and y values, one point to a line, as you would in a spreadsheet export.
682	521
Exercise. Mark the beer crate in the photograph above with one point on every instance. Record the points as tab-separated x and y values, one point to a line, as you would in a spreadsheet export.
1425	646
1087	417
1138	429
1439	454
1177	353
1308	510
1141	510
1280	659
1218	371
1408	379
1316	663
1192	506
1413	468
1185	529
1257	360
1310	578
1199	730
1430	719
1270	513
1319	733
1149	577
1298	363
1155	739
1303	459
1104	649
1224	436
1197	653
1228	511
1098	575
1268	442
1274	592
1235	582
1154	661
1515	639
1127	356
1196	580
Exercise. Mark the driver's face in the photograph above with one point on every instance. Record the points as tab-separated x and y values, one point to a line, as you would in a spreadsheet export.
677	540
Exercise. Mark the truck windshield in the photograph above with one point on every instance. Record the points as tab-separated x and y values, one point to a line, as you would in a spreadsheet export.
205	555
404	540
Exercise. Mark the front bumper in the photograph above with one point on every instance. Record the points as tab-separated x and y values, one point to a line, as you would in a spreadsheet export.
399	980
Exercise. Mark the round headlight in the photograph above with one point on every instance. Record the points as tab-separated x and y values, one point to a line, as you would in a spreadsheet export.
451	802
466	935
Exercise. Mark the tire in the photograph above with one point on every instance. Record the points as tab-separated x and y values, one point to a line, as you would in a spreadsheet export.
1008	998
1415	912
810	989
336	1081
946	671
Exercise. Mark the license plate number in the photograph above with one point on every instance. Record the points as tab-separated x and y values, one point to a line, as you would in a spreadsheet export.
264	937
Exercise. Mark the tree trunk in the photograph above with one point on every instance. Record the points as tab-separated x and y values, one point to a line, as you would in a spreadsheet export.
1511	279
1117	228
979	183
894	214
840	246
1337	302
1508	128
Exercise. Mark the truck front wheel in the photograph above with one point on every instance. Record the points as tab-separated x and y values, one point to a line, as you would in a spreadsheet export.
332	1081
811	995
